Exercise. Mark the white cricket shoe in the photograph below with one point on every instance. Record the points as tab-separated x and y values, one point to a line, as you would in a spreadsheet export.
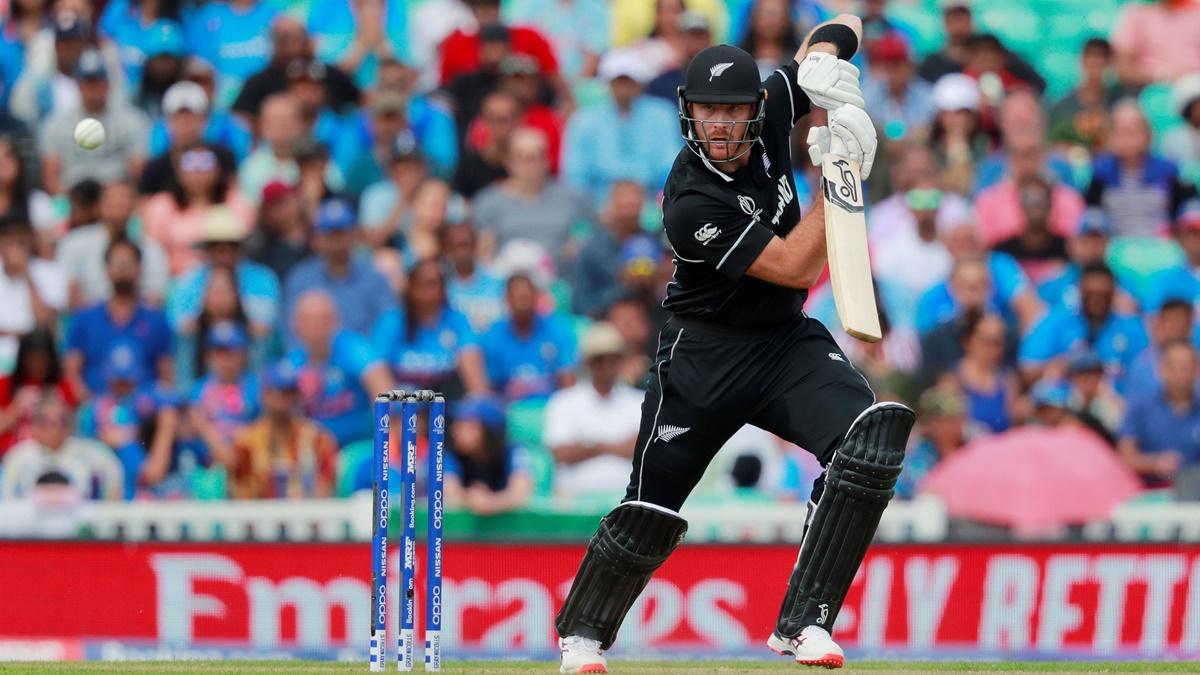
812	647
581	655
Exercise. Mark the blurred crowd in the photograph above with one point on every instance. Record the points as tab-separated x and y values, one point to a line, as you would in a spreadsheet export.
302	203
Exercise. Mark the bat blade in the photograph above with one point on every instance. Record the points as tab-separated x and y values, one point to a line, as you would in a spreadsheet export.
846	241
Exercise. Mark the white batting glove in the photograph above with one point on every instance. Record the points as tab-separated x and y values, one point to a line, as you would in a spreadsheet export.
829	81
849	134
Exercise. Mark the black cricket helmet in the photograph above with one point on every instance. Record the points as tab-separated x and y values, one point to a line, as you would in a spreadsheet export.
727	75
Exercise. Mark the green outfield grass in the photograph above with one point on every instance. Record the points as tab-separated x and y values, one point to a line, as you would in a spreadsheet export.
616	667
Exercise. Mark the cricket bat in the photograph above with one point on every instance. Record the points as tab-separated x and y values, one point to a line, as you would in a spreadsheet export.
846	230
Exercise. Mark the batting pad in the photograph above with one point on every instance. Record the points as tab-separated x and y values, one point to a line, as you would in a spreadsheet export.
859	483
634	539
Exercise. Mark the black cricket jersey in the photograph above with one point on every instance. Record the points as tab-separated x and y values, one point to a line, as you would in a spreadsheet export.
719	222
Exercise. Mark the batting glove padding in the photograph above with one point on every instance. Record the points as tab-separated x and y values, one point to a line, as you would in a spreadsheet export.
829	81
849	134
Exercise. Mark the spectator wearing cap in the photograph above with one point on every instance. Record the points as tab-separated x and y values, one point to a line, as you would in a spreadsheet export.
1001	213
284	454
467	90
290	42
1141	191
520	77
363	150
359	291
185	125
771	37
530	204
630	136
1093	401
1173	321
898	101
123	153
122	317
283	236
483	164
1117	337
467	49
958	135
387	204
48	61
1087	246
1161	431
1156	42
1081	117
695	35
1050	401
227	396
177	218
597	282
959	25
142	30
231	35
255	290
282	128
32	290
359	35
428	344
1182	143
306	83
942	431
88	467
135	416
591	427
529	354
471	287
908	225
485	474
339	372
1182	280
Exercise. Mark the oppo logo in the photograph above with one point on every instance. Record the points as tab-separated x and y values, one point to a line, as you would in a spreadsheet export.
383	508
381	605
435	614
437	508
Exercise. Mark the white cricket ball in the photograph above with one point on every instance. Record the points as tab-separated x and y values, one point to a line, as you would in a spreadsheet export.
89	133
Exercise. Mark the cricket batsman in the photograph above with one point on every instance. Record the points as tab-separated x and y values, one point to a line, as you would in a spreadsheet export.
738	348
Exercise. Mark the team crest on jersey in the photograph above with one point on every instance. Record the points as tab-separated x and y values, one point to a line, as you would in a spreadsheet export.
707	233
716	70
747	204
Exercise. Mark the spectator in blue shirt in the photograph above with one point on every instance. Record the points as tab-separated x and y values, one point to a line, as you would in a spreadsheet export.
943	431
136	417
122	317
633	136
360	292
597	283
1141	191
1173	322
1161	432
358	35
340	373
141	30
1116	337
484	474
1183	280
528	355
1008	286
898	101
472	288
1087	246
188	119
427	344
227	397
233	36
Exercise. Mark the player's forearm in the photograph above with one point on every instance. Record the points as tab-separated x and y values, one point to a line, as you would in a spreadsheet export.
806	246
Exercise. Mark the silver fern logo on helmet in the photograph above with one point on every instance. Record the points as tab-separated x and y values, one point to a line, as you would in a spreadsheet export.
716	70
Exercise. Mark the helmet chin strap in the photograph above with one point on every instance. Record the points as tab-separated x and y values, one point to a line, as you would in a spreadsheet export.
699	146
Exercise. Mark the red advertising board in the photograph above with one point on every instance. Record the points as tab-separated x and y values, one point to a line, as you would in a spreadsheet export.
1056	599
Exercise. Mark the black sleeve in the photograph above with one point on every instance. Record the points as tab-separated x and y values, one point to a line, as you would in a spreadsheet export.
786	101
705	231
